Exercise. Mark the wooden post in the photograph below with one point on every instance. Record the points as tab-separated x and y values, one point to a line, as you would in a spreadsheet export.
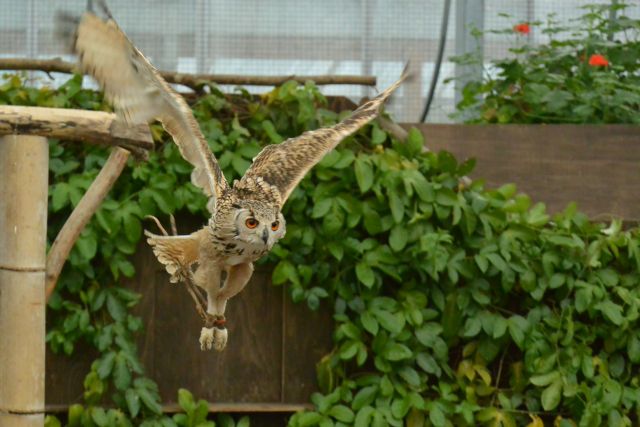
23	234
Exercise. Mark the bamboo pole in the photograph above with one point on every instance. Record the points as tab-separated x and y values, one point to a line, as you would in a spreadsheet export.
23	232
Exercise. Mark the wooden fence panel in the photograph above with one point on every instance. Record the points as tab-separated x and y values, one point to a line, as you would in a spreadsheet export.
270	357
274	344
596	166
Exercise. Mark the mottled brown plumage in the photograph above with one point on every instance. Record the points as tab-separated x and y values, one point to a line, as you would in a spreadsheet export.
246	220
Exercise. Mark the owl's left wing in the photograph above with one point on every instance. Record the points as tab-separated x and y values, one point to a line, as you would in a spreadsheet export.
139	94
284	165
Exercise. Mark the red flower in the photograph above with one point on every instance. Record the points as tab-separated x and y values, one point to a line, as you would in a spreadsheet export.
596	60
523	28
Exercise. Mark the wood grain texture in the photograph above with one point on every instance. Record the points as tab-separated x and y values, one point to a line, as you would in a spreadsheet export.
248	370
307	338
96	127
596	166
193	80
64	375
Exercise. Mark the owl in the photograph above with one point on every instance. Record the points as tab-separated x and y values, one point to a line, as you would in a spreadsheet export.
246	218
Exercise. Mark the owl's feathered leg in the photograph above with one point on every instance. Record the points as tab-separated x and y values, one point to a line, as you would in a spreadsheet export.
237	278
208	277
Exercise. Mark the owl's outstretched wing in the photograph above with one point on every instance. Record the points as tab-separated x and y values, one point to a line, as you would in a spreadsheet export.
139	94
284	165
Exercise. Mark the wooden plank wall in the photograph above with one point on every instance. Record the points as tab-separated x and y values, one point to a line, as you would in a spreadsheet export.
596	166
274	344
269	362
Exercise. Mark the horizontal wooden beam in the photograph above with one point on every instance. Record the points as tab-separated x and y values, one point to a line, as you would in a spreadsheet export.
96	127
235	408
193	80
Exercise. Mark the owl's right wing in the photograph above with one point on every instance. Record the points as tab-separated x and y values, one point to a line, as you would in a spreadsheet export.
176	253
284	165
139	94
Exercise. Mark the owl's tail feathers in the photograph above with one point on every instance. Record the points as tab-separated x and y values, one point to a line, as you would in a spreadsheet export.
176	253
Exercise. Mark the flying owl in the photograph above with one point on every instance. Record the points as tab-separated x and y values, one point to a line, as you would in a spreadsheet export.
246	218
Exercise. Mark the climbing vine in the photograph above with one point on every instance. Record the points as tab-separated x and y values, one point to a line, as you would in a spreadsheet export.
454	304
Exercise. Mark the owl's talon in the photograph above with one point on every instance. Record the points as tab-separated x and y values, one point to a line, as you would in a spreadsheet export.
213	337
206	339
220	338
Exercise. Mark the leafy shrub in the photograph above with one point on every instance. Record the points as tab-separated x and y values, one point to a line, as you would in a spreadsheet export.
455	305
588	71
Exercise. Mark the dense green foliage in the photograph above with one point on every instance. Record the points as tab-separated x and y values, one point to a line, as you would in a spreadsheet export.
558	81
454	305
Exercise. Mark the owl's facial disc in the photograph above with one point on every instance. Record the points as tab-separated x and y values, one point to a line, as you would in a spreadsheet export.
260	227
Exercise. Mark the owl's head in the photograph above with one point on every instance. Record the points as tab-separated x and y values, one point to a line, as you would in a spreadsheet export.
258	223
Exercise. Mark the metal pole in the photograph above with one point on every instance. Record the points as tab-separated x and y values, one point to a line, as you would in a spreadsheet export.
469	17
32	34
366	41
24	176
613	15
201	36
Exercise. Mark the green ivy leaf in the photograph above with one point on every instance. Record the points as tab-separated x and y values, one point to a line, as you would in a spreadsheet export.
121	373
378	136
133	402
321	208
309	419
398	238
411	377
415	141
105	365
99	416
551	395
87	244
397	207
116	309
59	196
365	274
149	400
395	352
342	413
363	417
369	323
428	364
364	397
633	348
612	311
545	379
391	322
364	174
437	417
284	272
472	327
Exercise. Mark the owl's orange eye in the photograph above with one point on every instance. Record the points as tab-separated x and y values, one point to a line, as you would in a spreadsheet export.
251	223
275	226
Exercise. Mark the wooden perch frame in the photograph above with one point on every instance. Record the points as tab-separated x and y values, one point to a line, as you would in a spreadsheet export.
192	80
95	127
84	126
82	213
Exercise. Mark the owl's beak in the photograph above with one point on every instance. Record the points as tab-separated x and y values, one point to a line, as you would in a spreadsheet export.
265	236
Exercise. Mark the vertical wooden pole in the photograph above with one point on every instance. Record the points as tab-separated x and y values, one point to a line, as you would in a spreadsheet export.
23	228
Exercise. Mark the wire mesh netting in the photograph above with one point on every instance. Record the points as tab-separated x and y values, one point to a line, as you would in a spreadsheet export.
287	37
